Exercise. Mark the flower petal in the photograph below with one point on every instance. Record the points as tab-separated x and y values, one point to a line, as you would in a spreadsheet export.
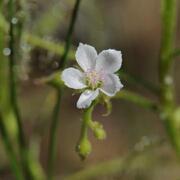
109	61
73	78
112	85
86	98
86	56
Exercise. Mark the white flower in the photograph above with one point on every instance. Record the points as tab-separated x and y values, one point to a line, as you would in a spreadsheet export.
97	74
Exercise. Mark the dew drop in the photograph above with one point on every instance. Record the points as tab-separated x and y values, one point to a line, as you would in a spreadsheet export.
168	80
14	20
6	51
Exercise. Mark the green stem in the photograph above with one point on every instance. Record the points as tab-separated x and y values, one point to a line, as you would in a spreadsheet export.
87	117
55	48
15	166
69	34
176	53
13	94
55	121
135	80
84	146
53	134
165	71
12	76
137	99
4	108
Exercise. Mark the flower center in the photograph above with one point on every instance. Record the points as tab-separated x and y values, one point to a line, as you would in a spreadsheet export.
94	79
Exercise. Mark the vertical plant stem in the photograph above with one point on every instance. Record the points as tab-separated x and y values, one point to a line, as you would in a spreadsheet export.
4	106
53	134
69	34
13	93
55	118
165	70
15	166
84	146
12	76
87	117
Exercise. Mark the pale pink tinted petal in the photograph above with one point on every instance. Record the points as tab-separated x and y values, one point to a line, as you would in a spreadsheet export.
86	56
109	61
73	78
86	98
112	85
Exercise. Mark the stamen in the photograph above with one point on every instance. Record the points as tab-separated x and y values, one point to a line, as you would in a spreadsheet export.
94	78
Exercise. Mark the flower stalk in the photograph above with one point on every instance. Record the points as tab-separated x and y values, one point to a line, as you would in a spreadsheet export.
84	147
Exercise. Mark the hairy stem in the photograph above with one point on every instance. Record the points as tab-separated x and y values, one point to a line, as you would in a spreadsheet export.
135	80
13	93
87	117
12	76
137	99
55	120
15	166
4	108
12	80
55	48
84	146
53	134
165	71
69	34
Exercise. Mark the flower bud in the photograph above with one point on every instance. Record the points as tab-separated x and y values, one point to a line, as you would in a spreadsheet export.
100	133
84	148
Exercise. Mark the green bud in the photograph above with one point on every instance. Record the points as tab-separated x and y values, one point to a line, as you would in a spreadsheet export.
84	148
98	130
100	133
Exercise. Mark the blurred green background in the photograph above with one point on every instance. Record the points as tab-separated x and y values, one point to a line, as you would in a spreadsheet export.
130	26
